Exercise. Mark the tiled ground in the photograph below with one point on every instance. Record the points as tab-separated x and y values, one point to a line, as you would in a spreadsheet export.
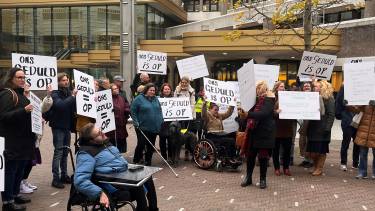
197	189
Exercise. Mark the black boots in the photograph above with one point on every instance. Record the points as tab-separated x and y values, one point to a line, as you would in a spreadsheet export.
247	181
249	172
263	172
13	207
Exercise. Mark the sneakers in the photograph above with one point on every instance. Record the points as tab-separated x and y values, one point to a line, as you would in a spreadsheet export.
29	185
57	184
360	176
25	189
343	167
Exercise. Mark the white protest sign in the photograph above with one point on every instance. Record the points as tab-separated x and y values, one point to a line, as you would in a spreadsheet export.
268	73
299	105
219	92
104	107
85	99
39	70
359	86
316	65
36	114
2	163
230	125
246	80
193	67
151	62
176	108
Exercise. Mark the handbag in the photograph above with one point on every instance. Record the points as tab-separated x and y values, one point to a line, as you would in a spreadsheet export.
356	120
240	138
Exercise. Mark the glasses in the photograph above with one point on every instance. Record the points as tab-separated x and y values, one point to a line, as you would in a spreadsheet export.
20	77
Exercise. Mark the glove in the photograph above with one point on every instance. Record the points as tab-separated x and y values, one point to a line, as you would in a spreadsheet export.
372	102
346	102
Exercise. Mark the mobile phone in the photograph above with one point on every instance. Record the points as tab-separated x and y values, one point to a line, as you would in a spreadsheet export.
135	168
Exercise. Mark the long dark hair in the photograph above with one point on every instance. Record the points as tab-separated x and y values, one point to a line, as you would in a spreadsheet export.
7	80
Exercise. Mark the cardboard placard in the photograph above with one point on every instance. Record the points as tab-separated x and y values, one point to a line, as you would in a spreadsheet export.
104	107
176	108
316	65
85	99
151	62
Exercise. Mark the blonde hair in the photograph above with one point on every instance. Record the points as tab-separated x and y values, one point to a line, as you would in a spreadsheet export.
185	78
326	89
262	87
140	89
276	86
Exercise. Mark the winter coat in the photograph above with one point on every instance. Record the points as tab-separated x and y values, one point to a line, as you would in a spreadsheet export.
62	111
213	123
285	128
341	111
263	135
107	161
190	93
320	130
146	113
122	112
15	126
366	129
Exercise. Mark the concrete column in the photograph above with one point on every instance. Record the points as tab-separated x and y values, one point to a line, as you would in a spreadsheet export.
369	8
128	43
200	5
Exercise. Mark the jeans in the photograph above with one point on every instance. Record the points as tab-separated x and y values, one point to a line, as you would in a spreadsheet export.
13	177
286	143
61	138
363	161
348	134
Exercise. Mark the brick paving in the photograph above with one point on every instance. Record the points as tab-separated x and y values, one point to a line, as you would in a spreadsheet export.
197	189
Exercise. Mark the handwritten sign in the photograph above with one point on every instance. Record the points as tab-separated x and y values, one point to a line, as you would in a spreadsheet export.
246	80
40	71
176	108
268	73
152	62
359	86
230	125
85	98
299	105
2	163
104	107
219	92
193	67
316	64
36	114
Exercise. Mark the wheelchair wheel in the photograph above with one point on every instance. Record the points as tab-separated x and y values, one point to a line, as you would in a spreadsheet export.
205	154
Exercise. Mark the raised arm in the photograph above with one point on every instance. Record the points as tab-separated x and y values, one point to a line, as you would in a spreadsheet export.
228	113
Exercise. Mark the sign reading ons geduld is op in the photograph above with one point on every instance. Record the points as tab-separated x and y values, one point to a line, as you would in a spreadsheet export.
40	71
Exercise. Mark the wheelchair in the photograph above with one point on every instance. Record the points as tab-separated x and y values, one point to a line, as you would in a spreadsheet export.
78	199
209	152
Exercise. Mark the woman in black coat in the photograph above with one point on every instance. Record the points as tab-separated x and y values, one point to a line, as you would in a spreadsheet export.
319	131
15	127
261	134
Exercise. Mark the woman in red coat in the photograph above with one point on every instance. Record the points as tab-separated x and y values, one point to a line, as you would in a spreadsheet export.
122	111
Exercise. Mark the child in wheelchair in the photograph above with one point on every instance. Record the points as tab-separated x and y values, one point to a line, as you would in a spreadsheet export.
96	154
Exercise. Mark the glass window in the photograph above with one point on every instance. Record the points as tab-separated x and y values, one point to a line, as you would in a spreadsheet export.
60	28
97	27
346	16
114	25
210	5
78	28
331	18
157	25
8	33
140	21
150	23
25	30
44	38
191	5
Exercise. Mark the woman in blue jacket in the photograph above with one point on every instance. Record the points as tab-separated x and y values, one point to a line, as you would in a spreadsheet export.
147	117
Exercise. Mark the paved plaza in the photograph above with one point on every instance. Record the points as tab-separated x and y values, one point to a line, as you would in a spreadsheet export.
197	189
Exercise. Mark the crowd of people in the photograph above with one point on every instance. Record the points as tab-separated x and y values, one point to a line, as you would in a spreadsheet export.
267	136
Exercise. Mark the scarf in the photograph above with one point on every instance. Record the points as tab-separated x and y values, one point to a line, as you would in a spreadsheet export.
251	123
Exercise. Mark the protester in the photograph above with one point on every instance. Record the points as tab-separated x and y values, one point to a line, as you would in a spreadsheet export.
198	122
62	123
365	138
214	123
96	154
122	112
139	79
284	135
147	117
165	92
306	163
15	127
319	131
261	134
104	84
27	187
348	131
185	90
118	80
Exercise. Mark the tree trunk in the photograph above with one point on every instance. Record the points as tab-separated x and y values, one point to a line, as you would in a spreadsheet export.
369	8
307	25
